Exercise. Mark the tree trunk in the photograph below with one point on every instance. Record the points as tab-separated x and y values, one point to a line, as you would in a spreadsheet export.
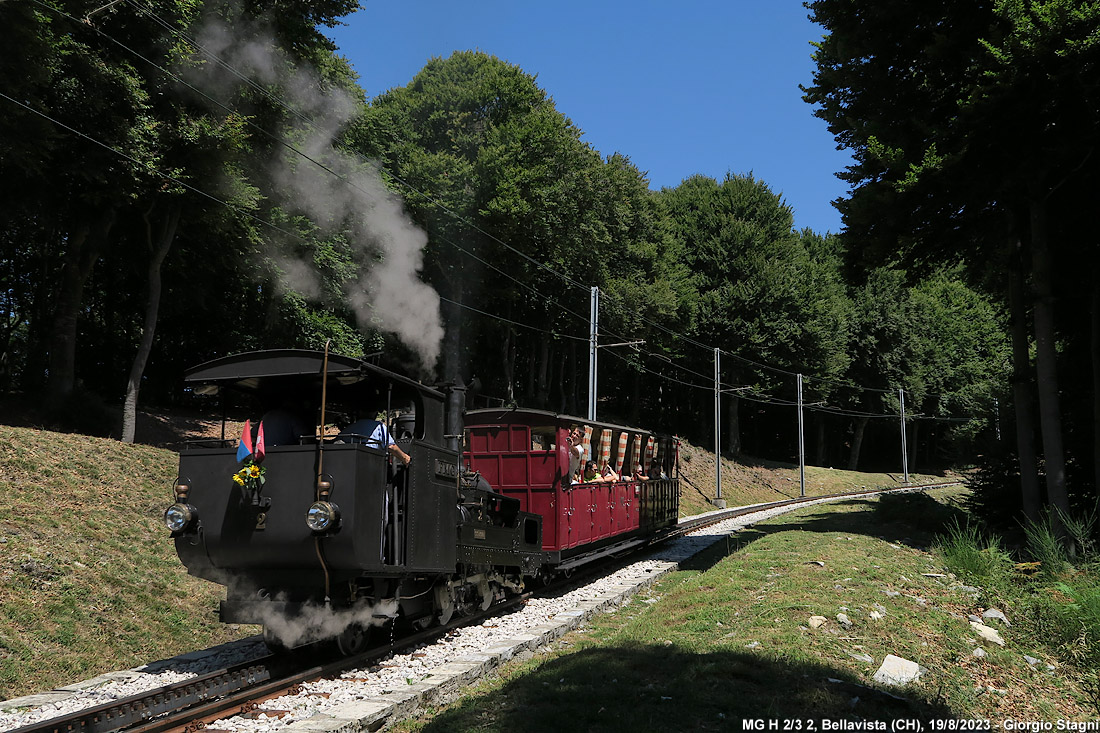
85	243
563	399
912	432
157	254
1050	414
571	402
1095	350
508	360
733	430
1022	395
542	386
636	402
858	428
452	338
819	442
529	388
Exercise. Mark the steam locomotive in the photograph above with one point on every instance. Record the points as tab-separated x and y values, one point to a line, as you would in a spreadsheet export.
319	531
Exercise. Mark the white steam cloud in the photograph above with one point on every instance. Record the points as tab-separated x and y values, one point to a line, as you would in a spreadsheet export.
317	622
349	197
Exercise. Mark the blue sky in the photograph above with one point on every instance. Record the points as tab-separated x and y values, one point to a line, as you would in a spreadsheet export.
679	87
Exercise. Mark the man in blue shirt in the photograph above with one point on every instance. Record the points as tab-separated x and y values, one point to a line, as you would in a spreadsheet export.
374	433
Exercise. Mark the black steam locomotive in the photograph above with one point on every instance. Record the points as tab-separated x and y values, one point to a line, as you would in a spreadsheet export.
319	530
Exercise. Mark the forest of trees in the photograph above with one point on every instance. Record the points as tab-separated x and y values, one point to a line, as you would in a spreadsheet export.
184	180
974	127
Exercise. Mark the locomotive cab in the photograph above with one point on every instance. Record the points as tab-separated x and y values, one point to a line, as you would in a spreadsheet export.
312	526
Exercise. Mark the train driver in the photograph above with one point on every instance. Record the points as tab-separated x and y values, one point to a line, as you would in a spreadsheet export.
374	433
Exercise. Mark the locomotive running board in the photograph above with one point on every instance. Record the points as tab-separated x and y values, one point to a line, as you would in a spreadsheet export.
603	552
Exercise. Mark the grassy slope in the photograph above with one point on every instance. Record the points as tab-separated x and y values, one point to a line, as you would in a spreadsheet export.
728	638
89	581
755	481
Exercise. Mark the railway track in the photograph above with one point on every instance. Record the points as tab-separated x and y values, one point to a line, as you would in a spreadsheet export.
237	690
242	689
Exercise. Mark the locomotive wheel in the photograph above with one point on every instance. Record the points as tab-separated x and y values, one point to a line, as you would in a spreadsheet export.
486	593
444	604
445	614
353	639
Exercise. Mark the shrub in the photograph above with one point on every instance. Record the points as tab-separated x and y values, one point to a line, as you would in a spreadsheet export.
1080	620
1045	546
1082	528
968	553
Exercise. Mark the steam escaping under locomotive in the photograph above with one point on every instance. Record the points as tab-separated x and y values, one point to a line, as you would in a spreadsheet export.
319	530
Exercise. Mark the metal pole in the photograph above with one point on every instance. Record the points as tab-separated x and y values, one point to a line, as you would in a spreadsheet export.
593	341
904	453
718	427
801	444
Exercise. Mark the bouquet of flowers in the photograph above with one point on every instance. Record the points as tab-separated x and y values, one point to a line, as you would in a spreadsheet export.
251	476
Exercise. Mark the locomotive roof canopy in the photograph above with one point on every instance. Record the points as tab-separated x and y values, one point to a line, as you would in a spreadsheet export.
264	372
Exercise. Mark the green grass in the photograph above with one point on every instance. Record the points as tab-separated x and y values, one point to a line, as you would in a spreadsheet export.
729	637
1061	603
89	579
1045	547
755	481
968	552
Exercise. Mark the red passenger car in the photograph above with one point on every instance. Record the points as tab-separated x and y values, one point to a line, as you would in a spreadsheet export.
525	454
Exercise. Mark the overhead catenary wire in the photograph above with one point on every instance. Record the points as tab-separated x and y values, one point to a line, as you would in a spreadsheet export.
514	323
298	236
295	149
443	207
151	171
215	58
282	103
704	387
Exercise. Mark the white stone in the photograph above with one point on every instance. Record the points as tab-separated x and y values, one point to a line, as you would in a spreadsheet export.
896	671
817	621
987	633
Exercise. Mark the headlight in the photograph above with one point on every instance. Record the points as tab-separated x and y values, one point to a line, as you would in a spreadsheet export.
178	516
322	516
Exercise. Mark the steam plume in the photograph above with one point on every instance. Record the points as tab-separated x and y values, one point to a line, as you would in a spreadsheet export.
349	198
